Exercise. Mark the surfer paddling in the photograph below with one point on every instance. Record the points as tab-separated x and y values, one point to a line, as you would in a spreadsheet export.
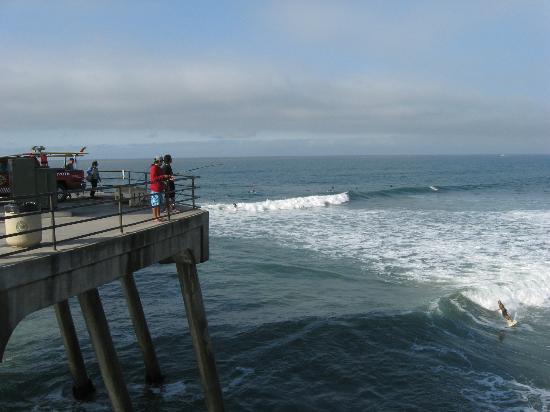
505	315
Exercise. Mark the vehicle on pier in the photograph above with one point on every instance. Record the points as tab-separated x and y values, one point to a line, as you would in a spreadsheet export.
68	178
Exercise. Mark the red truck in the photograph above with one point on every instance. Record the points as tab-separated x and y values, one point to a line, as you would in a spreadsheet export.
68	179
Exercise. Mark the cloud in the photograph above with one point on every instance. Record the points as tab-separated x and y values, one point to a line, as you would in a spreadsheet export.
396	26
384	75
248	101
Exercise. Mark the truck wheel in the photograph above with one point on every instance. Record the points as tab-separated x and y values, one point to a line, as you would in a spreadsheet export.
61	193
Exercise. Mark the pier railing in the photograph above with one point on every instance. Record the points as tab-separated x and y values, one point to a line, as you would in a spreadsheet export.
126	187
125	177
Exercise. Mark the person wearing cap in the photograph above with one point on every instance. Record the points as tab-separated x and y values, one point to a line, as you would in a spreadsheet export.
157	178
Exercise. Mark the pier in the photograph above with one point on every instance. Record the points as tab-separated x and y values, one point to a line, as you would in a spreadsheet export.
87	244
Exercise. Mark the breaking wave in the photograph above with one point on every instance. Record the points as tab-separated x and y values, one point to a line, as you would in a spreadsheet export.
306	202
485	255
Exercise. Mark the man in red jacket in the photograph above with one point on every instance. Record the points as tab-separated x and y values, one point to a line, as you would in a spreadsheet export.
157	187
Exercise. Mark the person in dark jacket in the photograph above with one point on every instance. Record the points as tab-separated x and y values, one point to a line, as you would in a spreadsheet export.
70	164
170	186
92	175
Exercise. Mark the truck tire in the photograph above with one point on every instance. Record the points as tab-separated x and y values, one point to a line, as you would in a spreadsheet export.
62	193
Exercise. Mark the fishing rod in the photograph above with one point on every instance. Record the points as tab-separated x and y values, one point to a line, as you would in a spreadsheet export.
200	167
175	174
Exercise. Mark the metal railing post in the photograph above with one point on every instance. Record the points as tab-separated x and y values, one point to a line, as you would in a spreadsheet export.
193	190
52	217
146	179
120	209
129	177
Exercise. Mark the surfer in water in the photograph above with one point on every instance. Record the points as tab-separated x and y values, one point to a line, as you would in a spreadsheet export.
505	315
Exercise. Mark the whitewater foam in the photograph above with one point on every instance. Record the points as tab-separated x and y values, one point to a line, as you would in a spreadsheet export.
486	256
306	202
500	393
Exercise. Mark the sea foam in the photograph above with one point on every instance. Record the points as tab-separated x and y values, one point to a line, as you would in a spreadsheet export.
485	255
306	202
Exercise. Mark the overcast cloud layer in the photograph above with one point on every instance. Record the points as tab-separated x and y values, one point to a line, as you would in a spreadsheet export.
242	102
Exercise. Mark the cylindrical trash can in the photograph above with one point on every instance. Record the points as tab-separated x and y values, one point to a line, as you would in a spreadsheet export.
23	222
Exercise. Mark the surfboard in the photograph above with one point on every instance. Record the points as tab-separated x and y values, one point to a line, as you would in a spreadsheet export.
511	323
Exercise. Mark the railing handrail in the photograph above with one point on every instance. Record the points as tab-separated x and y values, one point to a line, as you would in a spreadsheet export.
7	199
180	188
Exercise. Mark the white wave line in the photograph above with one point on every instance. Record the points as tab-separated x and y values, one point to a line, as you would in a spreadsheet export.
306	202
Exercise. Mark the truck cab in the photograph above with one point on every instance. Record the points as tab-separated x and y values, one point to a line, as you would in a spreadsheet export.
35	163
67	181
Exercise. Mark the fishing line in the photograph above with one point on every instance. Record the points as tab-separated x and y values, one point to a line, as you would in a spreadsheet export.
200	167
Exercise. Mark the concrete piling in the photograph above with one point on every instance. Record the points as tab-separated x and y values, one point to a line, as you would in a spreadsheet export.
198	326
83	386
98	328
135	308
29	283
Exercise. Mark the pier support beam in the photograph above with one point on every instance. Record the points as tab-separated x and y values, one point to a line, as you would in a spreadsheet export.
198	326
152	369
83	386
100	335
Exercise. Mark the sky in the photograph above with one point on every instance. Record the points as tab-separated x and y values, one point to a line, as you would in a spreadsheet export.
259	78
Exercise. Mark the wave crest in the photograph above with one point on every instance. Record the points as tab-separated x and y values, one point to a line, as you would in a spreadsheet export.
306	202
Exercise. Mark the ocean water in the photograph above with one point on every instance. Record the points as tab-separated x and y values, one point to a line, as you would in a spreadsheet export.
337	284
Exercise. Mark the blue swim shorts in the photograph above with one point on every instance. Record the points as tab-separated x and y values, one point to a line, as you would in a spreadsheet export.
156	199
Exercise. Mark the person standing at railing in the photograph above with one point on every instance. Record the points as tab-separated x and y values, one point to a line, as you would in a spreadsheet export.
157	186
92	175
170	185
70	164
